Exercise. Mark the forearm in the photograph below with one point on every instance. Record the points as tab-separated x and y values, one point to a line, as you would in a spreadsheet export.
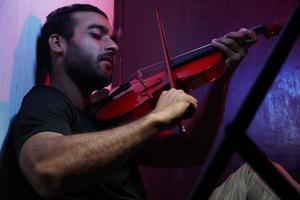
64	163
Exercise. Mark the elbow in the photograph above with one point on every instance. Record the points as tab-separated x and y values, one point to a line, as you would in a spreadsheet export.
46	181
42	172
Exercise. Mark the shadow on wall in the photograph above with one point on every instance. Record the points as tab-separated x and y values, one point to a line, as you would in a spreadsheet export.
22	81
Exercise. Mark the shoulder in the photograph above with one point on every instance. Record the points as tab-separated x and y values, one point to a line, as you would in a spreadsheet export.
43	108
41	97
45	93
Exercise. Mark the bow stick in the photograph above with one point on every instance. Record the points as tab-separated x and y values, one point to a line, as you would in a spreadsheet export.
181	126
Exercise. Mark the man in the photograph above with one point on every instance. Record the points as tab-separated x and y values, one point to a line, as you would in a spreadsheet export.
62	151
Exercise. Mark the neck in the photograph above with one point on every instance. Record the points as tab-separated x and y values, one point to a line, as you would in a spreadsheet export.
70	89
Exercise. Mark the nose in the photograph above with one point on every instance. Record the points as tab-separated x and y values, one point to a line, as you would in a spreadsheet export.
111	46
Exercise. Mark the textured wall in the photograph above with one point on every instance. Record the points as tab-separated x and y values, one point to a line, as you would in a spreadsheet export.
193	23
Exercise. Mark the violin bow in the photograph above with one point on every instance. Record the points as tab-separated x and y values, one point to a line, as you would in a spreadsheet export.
181	126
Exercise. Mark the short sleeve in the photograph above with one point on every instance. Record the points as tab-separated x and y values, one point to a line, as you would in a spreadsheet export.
43	109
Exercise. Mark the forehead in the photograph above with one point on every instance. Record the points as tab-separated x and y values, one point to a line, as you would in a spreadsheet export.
84	20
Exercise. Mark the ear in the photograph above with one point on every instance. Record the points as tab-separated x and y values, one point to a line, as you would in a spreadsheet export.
57	43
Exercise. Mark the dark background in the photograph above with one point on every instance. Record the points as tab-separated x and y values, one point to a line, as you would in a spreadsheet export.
190	24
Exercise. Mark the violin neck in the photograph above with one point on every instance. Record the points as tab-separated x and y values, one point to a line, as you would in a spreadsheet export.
267	31
192	55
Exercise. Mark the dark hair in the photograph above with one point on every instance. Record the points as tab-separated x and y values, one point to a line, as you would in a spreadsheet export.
59	22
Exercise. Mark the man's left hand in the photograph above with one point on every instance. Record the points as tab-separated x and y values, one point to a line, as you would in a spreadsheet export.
234	45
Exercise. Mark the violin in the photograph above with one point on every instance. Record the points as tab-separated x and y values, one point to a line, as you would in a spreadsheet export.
137	96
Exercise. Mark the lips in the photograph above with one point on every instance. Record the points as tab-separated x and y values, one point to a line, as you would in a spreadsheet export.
107	58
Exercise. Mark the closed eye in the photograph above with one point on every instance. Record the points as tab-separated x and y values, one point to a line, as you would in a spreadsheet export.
96	36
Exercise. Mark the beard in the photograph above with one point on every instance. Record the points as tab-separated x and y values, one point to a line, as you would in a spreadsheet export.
83	68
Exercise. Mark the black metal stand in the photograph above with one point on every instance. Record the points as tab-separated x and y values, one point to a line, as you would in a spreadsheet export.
236	139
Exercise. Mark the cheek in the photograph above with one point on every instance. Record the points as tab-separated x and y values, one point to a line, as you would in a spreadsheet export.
93	45
89	54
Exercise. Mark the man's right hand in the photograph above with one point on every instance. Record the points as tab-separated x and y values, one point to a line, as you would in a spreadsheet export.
172	106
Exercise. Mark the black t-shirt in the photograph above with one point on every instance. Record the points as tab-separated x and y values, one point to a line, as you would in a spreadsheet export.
45	108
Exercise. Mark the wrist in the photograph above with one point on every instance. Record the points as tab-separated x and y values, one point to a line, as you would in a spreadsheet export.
157	121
